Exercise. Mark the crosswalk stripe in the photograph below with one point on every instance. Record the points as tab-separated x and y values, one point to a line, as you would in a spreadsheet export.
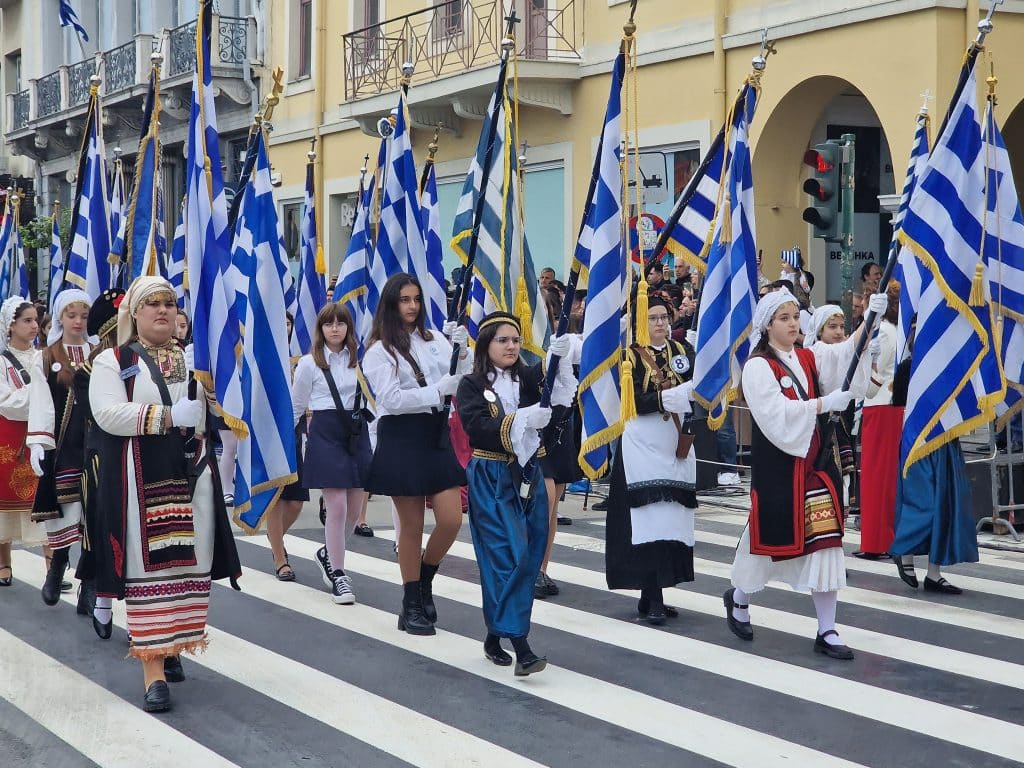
937	720
634	711
410	736
101	726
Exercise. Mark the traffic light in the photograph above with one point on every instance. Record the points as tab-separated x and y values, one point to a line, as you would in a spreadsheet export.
823	187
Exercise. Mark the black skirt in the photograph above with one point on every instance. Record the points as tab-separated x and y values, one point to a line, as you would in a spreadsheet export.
410	459
328	462
561	463
297	491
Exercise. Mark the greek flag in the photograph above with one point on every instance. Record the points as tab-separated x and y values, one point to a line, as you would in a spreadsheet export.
502	262
266	461
955	377
56	260
399	246
478	308
1004	250
793	257
376	268
144	244
118	198
434	294
13	271
88	265
354	275
68	18
177	271
730	286
911	276
604	255
215	330
312	292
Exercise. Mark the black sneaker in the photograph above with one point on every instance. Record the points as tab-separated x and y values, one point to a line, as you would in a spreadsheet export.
540	588
341	589
325	567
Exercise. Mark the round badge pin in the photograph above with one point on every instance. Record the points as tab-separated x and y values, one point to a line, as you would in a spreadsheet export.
490	397
680	364
786	382
56	367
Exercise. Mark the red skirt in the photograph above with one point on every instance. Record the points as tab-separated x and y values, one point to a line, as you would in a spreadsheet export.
18	482
881	428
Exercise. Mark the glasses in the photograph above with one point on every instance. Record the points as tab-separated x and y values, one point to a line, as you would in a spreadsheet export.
658	319
517	340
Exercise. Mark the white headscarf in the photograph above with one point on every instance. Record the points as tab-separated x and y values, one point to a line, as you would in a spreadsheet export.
64	298
7	312
821	316
140	290
765	311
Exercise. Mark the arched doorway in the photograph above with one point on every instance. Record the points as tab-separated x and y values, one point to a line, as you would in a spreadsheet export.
1013	135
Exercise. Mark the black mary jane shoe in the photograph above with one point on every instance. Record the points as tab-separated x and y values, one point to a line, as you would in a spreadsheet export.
530	664
173	671
906	572
860	555
742	629
841	652
103	631
941	585
496	654
643	608
158	697
7	580
86	598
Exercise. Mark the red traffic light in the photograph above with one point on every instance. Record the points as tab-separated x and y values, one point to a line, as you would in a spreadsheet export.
818	161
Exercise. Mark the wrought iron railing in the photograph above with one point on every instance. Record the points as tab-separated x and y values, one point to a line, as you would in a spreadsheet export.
233	40
48	94
453	37
22	103
78	82
183	50
120	67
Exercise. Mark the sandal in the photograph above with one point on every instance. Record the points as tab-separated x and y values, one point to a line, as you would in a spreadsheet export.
9	578
288	575
363	530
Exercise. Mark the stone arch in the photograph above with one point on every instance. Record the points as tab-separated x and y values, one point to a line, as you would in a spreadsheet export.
1013	135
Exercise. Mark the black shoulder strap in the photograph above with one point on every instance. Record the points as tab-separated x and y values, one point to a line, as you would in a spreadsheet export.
416	370
336	396
796	382
154	372
22	373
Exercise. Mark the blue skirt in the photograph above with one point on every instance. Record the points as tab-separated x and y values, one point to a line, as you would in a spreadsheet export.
509	538
328	463
934	516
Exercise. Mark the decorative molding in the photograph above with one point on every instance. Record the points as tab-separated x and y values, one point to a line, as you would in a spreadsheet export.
433	115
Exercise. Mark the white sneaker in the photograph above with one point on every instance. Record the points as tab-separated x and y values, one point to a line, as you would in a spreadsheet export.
728	478
341	592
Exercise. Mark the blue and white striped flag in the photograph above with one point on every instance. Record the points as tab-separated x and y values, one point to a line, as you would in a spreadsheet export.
312	290
88	260
354	275
8	251
68	18
730	285
793	257
376	270
434	294
144	245
478	308
118	223
604	255
215	331
56	260
955	377
177	270
266	461
19	271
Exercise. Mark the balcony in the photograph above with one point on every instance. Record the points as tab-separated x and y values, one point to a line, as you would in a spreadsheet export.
455	47
45	121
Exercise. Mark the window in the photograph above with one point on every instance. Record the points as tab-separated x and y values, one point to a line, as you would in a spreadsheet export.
451	17
305	38
291	222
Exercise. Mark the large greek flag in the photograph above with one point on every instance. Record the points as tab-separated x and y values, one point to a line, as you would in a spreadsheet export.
354	275
8	252
144	246
312	292
730	285
434	294
604	255
215	330
56	261
68	18
88	266
266	461
955	377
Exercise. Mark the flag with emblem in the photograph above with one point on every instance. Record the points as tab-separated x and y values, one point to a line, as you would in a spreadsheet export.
144	247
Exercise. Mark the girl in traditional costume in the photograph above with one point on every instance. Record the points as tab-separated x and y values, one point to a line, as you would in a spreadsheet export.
164	528
19	366
795	532
406	367
652	494
499	406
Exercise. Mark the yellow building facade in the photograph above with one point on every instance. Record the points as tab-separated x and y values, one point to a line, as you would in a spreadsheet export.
856	66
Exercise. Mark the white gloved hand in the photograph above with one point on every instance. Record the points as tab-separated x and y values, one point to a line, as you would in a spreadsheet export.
561	345
449	328
691	338
186	413
677	399
875	348
878	303
535	416
460	336
35	457
449	384
835	401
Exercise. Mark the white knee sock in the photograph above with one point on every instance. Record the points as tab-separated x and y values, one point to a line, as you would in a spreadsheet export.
933	571
825	609
742	598
103	610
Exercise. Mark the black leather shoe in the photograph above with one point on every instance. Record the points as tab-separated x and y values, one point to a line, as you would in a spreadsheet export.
832	651
158	697
363	530
52	585
86	598
495	653
870	555
7	580
103	631
173	670
906	572
643	607
530	664
563	520
411	619
427	573
941	585
742	629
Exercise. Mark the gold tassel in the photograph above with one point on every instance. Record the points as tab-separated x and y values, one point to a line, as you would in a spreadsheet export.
977	297
725	236
626	388
523	312
643	331
321	267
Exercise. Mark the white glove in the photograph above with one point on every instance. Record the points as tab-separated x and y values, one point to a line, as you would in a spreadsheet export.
835	401
677	399
561	345
878	303
449	384
875	348
691	338
186	413
535	416
460	336
36	453
449	328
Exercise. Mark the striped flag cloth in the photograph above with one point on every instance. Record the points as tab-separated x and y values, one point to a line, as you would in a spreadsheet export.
1004	249
118	222
68	18
730	284
604	255
955	377
19	270
88	266
911	276
377	271
56	261
215	330
311	295
354	275
177	272
793	257
144	245
8	252
503	262
434	293
266	461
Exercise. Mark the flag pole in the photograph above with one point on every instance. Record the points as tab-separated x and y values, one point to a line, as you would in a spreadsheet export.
269	102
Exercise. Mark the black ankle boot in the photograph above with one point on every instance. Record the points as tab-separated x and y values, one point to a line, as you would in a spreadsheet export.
427	573
54	576
86	598
411	619
495	653
527	662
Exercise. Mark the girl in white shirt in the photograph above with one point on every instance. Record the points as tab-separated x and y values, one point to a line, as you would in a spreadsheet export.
338	446
406	368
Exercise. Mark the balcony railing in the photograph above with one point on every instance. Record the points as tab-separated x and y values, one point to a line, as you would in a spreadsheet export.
78	82
454	37
183	50
22	103
48	93
120	67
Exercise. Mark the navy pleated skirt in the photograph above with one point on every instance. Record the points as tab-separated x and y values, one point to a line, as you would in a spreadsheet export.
328	462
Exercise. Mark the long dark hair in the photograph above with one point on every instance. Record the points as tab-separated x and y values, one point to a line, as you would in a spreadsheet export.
482	365
388	327
332	313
